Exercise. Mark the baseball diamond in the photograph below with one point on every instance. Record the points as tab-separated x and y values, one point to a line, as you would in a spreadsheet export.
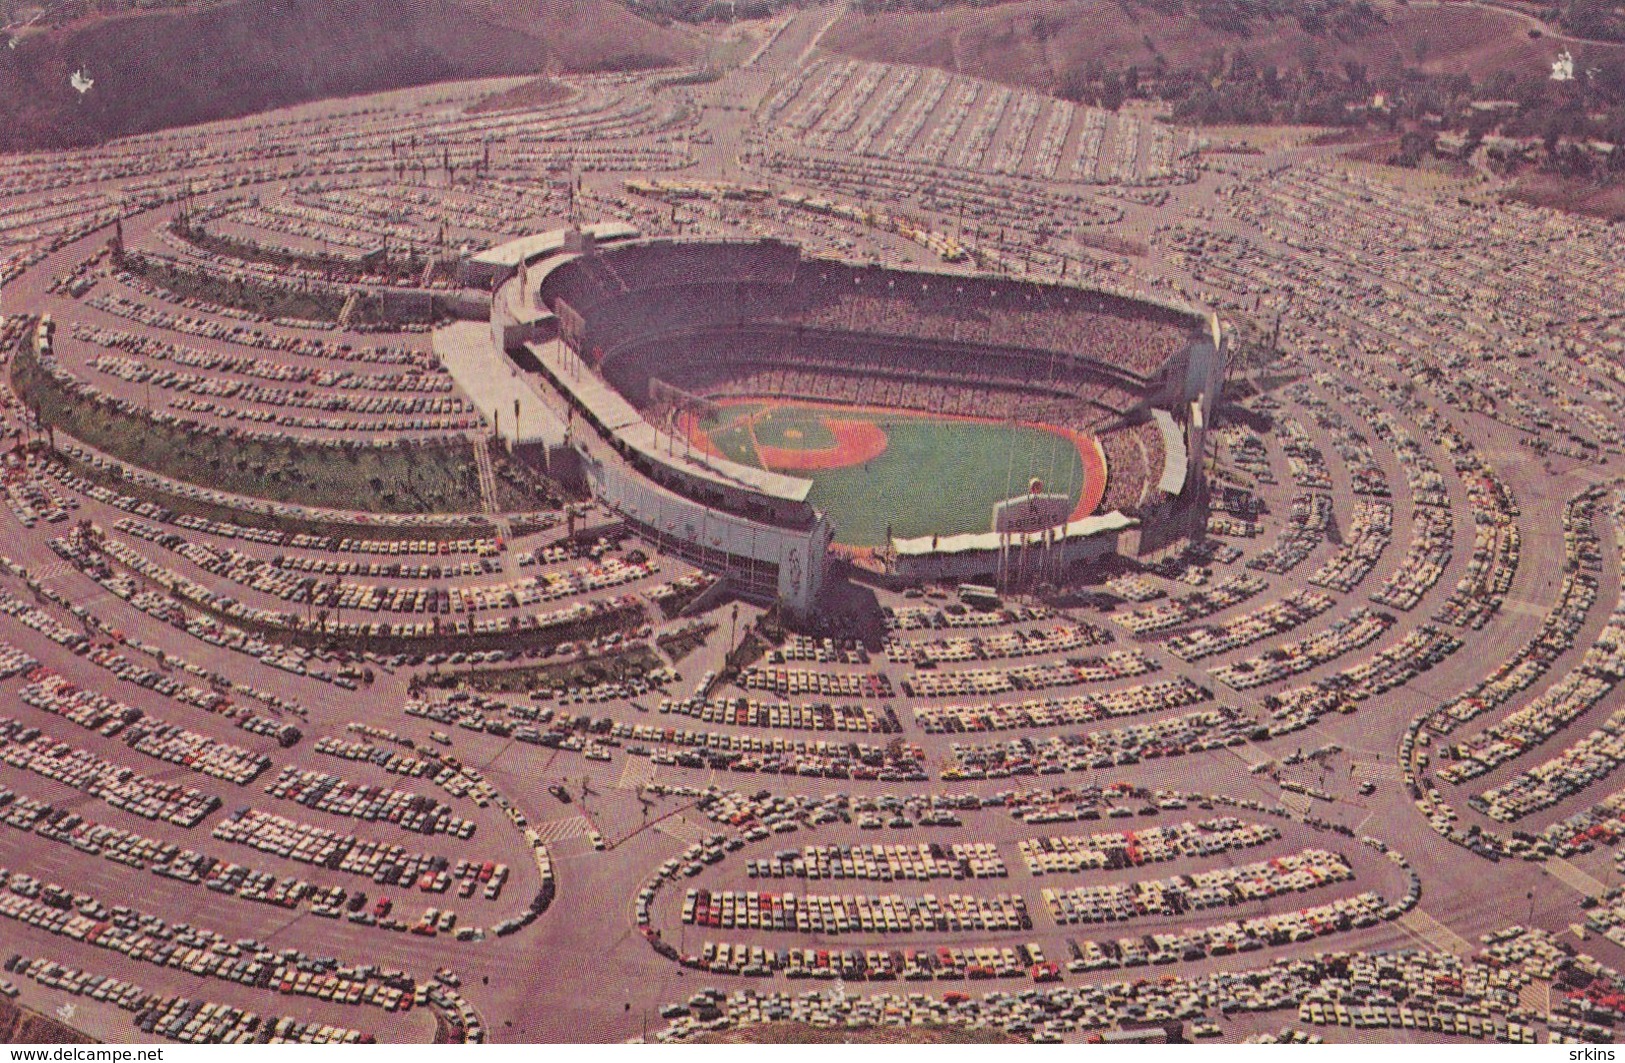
875	469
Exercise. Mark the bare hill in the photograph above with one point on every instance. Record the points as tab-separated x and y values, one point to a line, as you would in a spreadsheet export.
154	70
588	34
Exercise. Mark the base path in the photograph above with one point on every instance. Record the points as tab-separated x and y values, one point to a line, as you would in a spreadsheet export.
855	443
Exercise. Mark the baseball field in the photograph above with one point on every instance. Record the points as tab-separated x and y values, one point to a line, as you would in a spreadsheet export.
918	474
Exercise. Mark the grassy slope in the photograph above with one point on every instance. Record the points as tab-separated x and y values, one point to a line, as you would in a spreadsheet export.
537	92
162	69
433	478
1578	196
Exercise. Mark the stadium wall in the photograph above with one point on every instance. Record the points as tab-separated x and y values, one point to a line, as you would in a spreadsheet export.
763	562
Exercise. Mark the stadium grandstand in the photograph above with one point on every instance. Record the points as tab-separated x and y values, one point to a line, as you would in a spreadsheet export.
640	337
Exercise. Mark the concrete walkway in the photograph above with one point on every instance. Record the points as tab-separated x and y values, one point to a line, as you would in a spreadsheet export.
492	383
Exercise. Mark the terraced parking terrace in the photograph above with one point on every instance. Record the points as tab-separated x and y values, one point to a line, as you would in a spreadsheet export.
338	708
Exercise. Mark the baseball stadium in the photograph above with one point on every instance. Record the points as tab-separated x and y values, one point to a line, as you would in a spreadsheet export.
725	394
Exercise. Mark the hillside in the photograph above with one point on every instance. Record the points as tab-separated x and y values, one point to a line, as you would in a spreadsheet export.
153	70
537	92
19	1026
1046	44
579	35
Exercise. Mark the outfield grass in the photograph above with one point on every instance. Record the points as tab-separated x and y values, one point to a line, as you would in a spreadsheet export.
937	476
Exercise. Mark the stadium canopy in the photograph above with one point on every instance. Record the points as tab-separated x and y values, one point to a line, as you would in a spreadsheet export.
971	542
1174	458
614	414
529	248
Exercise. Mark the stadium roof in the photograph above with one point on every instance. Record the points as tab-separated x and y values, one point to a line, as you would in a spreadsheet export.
661	448
611	410
529	248
1174	458
972	542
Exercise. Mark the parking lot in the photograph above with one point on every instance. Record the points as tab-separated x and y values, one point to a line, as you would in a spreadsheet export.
326	722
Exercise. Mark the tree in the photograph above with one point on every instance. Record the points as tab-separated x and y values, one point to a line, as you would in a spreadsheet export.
1112	92
1414	146
1074	86
1596	19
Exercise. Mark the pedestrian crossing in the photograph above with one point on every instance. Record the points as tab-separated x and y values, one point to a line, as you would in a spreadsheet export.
1574	878
681	829
1296	802
636	773
1525	607
559	830
1436	933
52	570
1536	997
1376	771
